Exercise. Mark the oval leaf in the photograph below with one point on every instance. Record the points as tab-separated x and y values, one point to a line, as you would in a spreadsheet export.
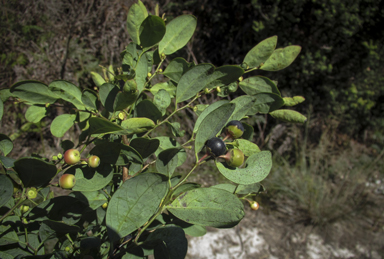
258	84
179	32
289	116
6	189
177	68
292	101
166	162
34	172
281	58
212	124
101	126
147	109
137	125
257	167
89	179
207	111
68	92
260	53
208	207
162	100
34	92
152	30
193	81
62	124
35	113
136	15
89	98
134	203
6	144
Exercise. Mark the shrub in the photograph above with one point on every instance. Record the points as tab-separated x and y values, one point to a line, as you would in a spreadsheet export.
133	203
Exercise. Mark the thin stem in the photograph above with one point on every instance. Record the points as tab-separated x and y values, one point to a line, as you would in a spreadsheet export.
12	209
173	113
185	177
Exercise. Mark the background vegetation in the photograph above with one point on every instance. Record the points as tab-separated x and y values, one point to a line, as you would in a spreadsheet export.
328	171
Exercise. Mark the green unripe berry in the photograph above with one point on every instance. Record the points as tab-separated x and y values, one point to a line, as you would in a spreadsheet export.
234	158
130	86
67	181
24	208
105	205
32	193
235	129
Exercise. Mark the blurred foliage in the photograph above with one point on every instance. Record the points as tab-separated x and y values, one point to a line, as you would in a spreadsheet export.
339	70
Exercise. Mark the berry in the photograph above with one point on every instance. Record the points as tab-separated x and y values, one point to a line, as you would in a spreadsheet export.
67	181
235	129
93	161
105	205
72	156
24	208
254	205
215	147
32	193
234	158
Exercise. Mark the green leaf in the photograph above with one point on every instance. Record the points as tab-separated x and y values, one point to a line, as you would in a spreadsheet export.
89	179
265	103
193	81
179	32
260	53
124	99
68	92
97	79
136	15
6	144
34	92
258	84
208	207
129	154
243	104
249	188
147	109
5	94
176	68
195	230
62	124
35	113
93	199
167	86
248	132
152	30
257	167
289	116
292	101
144	146
89	98
212	124
6	189
50	229
63	208
134	203
281	58
102	126
168	242
166	162
167	143
107	93
247	147
176	129
185	187
7	162
108	152
142	72
207	111
225	75
8	235
137	125
225	186
34	172
162	100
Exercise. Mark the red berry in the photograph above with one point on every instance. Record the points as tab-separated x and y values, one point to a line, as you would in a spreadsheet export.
72	156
